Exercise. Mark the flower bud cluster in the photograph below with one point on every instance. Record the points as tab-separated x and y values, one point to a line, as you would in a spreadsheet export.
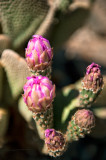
39	93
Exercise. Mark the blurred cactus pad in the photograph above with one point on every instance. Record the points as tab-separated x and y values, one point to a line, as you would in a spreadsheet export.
76	30
20	19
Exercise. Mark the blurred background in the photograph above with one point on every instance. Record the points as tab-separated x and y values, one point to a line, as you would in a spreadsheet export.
76	30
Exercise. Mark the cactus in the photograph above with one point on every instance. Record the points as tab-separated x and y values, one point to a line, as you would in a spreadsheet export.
44	120
14	16
39	94
47	123
39	54
80	124
39	91
55	142
92	84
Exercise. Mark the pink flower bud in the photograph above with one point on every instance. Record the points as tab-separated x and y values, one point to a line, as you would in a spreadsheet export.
55	142
39	93
38	53
84	119
93	79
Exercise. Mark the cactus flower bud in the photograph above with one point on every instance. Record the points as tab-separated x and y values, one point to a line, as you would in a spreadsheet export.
93	79
92	84
84	119
80	124
55	142
38	53
39	93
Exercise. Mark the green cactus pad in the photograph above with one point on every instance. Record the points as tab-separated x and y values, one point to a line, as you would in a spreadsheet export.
16	71
20	19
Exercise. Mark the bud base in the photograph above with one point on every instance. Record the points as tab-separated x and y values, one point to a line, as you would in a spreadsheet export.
46	72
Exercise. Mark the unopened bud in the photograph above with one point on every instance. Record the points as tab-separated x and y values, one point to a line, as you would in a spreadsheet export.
38	53
55	142
93	79
39	93
84	119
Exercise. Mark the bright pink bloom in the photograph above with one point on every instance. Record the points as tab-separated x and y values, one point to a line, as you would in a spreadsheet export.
38	53
39	93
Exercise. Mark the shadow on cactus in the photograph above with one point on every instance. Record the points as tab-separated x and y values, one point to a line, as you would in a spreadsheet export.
70	108
64	106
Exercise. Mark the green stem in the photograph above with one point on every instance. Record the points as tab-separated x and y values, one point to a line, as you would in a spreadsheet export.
43	121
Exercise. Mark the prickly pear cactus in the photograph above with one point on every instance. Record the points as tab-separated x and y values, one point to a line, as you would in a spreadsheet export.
20	19
56	121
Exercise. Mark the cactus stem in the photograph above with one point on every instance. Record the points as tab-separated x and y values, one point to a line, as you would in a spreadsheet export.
46	72
43	121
